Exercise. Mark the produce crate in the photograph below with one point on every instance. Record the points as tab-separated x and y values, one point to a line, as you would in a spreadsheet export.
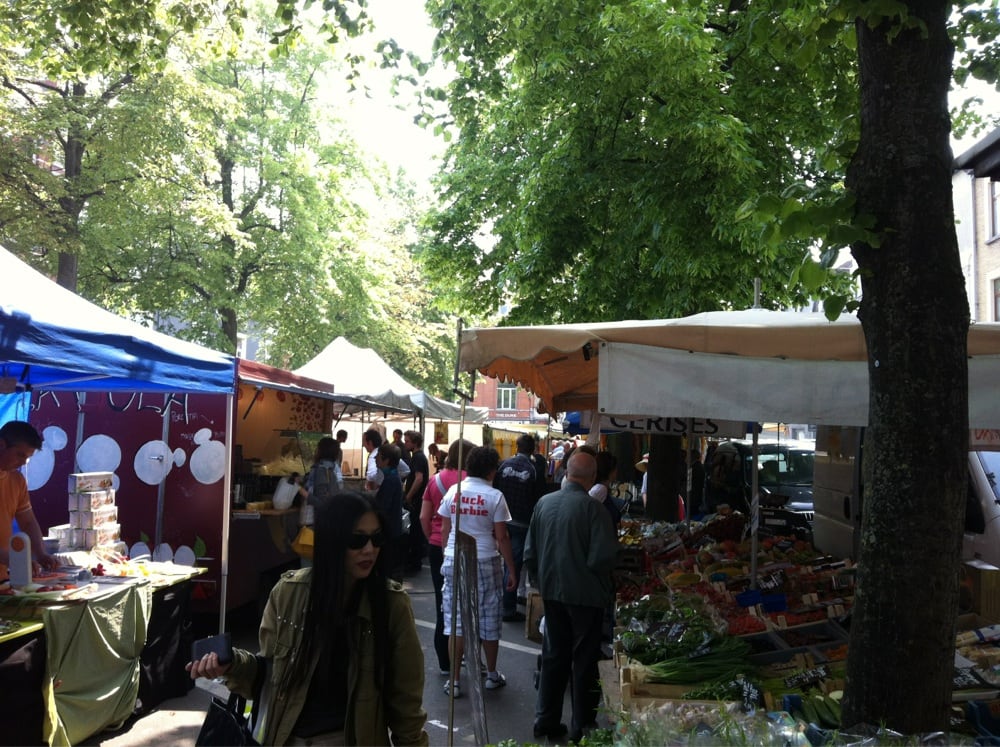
617	707
984	715
764	643
778	621
636	695
983	582
833	651
813	634
790	659
632	559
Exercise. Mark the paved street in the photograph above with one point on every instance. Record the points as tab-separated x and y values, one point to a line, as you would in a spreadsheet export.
509	711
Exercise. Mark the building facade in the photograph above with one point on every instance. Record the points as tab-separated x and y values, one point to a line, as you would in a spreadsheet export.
507	403
976	195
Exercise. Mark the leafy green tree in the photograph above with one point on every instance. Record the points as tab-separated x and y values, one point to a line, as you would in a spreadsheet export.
615	152
63	67
215	192
635	159
261	230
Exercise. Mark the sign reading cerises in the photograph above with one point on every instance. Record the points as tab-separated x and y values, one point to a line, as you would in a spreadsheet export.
668	426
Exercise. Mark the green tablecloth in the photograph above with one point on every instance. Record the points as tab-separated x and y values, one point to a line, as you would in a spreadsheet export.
92	676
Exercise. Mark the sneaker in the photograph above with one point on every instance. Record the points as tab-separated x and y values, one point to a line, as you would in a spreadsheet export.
457	692
445	672
495	683
550	732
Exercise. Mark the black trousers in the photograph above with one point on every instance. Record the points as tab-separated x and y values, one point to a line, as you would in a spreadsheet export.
416	544
571	650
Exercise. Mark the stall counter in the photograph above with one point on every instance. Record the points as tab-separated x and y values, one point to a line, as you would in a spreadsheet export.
95	652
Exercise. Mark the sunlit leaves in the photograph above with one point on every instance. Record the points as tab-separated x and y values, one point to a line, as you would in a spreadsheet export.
609	147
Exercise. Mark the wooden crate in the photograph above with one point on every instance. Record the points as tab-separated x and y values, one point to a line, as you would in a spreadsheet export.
632	690
983	582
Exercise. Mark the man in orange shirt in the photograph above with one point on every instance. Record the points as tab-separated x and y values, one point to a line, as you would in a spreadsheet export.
18	442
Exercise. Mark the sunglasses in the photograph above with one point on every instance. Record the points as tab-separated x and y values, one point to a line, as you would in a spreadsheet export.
358	540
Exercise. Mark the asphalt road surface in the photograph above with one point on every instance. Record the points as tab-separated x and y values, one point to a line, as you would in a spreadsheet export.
509	711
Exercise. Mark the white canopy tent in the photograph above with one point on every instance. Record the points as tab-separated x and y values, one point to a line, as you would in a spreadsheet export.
362	372
738	365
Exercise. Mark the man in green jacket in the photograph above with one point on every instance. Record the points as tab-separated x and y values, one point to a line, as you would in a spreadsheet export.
570	552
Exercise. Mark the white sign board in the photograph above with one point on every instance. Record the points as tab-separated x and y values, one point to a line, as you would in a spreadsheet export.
663	426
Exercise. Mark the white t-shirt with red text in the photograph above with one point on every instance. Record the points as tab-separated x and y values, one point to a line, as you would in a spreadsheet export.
482	507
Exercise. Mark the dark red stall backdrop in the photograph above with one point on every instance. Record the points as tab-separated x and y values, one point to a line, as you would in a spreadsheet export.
144	439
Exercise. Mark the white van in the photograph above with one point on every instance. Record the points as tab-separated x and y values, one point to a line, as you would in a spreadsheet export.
838	496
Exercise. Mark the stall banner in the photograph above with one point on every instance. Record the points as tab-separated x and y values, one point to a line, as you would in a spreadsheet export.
664	426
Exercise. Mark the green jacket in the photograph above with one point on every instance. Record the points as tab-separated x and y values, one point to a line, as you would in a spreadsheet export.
371	715
571	548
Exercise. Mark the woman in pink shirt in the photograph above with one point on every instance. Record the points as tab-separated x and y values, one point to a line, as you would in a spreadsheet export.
431	523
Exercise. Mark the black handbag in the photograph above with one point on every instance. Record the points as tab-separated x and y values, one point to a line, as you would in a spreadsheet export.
226	725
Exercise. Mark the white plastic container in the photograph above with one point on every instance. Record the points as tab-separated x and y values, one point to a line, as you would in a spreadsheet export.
19	565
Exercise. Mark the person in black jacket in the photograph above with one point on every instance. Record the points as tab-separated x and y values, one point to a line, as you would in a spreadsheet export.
517	480
389	500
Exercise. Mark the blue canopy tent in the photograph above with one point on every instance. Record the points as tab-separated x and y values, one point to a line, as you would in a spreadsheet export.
53	340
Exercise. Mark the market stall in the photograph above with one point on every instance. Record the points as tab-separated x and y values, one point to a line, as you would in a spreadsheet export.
58	348
751	365
774	636
280	416
363	373
697	648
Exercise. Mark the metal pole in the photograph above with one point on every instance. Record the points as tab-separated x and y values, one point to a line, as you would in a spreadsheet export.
226	509
454	529
690	476
754	511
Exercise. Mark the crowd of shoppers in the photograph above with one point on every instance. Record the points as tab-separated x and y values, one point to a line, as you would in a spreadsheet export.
339	657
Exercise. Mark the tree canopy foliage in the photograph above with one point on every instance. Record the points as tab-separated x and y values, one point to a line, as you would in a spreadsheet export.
202	180
621	154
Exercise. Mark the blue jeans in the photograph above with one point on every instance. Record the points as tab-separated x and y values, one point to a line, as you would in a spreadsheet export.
518	534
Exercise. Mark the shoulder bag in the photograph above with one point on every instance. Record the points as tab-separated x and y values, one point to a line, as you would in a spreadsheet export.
226	723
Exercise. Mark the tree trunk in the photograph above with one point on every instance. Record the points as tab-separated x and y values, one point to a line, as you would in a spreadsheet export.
71	204
229	327
915	318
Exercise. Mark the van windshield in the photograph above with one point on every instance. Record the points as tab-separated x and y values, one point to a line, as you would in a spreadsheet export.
784	466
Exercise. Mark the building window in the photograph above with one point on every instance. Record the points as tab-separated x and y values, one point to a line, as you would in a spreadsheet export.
996	299
994	210
507	397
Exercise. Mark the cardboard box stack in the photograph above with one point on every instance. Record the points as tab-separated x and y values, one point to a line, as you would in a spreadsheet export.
93	515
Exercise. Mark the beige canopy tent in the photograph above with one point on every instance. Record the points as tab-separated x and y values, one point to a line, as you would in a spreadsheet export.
749	365
361	372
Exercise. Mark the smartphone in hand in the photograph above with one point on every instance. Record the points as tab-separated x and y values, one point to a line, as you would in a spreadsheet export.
220	644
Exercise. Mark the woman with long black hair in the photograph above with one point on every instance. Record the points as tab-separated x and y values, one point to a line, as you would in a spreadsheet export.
343	661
